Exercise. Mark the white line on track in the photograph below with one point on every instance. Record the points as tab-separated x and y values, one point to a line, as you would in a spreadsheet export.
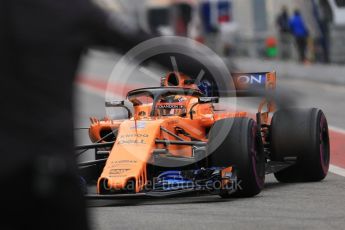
337	170
101	93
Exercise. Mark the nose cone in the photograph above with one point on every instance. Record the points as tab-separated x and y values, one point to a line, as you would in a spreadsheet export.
128	158
108	185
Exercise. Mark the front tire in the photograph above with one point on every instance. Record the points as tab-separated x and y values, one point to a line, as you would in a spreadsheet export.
234	142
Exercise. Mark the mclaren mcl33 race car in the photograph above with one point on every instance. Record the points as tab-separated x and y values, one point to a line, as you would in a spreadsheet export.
174	141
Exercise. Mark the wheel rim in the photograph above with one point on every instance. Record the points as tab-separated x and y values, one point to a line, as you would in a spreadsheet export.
324	144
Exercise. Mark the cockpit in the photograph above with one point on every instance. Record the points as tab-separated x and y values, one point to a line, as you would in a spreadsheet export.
158	101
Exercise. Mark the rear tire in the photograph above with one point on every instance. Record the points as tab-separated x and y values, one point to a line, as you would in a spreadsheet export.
301	133
234	142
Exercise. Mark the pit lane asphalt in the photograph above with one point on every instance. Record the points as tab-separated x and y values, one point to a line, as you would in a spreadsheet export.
284	206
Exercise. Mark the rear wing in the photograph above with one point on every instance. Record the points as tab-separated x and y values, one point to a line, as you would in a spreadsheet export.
244	84
254	84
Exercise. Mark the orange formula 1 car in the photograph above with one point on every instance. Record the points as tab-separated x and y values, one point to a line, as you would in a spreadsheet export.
175	141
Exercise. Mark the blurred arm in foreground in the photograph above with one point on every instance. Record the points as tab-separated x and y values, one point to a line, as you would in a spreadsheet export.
41	42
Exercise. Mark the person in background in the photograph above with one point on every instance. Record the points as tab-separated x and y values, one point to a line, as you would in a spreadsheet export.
228	34
284	33
323	16
300	33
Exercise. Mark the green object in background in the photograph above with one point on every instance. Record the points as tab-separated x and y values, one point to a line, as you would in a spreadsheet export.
271	51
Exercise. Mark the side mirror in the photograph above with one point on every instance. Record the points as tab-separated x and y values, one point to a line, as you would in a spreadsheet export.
119	104
114	103
205	100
